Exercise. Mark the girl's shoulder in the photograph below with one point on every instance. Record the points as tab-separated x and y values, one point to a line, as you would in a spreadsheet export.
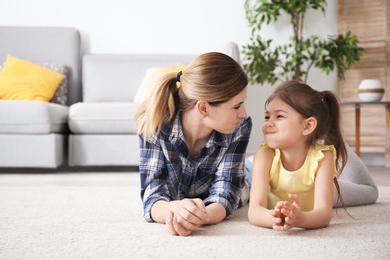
266	152
265	148
264	158
318	150
317	154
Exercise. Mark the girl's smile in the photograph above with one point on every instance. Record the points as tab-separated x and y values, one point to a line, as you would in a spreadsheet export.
283	125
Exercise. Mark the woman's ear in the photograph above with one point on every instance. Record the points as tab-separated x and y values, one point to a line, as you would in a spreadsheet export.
310	125
202	108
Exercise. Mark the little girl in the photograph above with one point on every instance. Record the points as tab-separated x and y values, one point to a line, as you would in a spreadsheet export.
295	171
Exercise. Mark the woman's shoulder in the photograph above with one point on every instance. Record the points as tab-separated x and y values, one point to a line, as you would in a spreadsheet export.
168	126
246	124
244	129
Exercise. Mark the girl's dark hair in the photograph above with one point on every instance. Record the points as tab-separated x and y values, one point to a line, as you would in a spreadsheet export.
322	105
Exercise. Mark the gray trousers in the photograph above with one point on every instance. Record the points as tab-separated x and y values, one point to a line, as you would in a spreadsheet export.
356	184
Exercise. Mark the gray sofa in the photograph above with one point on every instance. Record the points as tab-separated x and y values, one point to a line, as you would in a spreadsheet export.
34	134
89	122
102	128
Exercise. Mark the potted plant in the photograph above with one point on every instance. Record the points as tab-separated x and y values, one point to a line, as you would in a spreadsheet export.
294	59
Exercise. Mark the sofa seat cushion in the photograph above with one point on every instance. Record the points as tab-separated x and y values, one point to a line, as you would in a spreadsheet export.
32	117
102	118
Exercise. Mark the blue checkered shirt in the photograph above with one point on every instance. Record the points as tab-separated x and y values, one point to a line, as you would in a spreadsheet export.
168	172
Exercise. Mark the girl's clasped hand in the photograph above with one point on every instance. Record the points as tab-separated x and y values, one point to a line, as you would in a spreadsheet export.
285	214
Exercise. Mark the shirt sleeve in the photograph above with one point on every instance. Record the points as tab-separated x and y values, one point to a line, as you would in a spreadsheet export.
317	154
153	175
229	178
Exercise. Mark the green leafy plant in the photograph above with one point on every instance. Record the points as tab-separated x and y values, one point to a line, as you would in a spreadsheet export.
294	59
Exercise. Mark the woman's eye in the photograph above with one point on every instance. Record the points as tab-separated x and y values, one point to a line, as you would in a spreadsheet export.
237	107
266	118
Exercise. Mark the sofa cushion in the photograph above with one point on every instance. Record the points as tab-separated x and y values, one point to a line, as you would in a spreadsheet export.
24	80
32	117
102	118
61	95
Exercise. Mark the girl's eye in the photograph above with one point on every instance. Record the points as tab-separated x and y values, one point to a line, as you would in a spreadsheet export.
280	116
237	107
266	118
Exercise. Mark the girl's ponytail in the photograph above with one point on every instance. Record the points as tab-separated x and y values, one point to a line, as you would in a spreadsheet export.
334	135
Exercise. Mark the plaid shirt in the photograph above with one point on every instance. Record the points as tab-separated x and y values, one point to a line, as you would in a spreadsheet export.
168	173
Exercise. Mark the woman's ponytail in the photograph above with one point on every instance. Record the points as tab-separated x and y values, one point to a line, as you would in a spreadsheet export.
159	107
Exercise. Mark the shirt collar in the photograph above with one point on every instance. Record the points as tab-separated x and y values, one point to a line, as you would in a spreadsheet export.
176	134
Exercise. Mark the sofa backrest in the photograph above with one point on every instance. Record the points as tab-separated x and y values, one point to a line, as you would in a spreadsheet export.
59	45
117	77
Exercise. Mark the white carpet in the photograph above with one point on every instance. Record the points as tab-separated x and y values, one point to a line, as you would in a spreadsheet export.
99	216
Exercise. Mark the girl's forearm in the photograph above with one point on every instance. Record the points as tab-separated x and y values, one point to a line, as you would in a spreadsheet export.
260	216
318	218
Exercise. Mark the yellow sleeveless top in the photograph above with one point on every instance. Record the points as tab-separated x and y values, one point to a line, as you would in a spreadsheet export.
301	181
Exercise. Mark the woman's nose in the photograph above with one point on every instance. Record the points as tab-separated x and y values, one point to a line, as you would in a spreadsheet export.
243	113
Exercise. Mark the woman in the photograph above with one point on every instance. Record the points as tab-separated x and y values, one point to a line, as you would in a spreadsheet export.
194	131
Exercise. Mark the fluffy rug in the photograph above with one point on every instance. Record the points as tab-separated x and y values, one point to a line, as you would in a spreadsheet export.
99	216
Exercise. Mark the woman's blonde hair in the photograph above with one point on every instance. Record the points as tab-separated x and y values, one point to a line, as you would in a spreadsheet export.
213	77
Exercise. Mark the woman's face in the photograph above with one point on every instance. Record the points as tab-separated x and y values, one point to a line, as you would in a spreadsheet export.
225	117
283	125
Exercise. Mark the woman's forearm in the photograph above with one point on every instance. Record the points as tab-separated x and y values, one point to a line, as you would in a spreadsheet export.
161	209
216	212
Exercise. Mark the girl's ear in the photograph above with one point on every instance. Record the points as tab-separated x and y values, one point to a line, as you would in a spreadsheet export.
310	125
202	108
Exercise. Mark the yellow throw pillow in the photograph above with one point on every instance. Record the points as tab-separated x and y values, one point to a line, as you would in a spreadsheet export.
24	80
150	80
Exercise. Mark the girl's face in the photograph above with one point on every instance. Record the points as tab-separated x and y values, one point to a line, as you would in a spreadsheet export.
225	117
283	125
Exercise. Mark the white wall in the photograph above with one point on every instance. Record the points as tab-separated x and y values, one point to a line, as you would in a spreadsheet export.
167	26
122	26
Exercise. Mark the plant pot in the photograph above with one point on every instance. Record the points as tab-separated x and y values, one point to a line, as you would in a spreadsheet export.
371	90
